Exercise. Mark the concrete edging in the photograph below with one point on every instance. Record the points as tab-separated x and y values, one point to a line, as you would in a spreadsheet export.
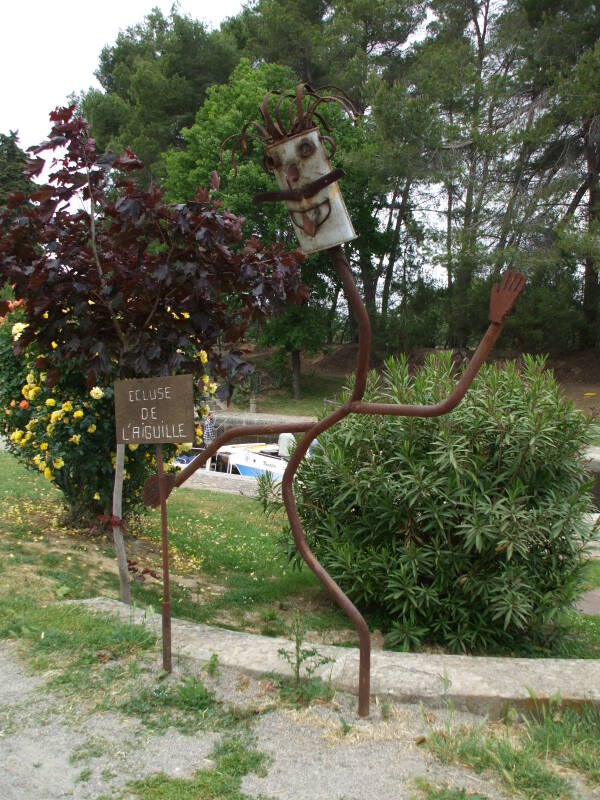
476	684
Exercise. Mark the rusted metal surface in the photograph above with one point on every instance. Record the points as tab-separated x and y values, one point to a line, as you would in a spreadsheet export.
151	486
298	186
296	154
166	601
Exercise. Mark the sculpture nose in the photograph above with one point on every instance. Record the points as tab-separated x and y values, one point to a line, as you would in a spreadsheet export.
292	174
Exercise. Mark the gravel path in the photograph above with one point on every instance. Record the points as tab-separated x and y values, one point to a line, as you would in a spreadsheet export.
50	750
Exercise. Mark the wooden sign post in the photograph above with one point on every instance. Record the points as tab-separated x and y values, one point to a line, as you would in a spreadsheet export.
157	411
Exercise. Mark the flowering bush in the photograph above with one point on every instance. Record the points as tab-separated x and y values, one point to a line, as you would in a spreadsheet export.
67	431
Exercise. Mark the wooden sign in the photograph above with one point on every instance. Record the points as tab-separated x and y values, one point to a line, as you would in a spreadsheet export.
155	410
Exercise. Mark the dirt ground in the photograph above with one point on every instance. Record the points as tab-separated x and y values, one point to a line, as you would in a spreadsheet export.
52	746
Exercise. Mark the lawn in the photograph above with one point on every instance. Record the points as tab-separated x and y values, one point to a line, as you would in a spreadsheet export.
318	393
228	565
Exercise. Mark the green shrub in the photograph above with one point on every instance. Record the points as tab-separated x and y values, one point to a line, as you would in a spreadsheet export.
67	432
466	530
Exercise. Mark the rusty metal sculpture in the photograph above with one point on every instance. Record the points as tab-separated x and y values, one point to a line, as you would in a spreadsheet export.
308	186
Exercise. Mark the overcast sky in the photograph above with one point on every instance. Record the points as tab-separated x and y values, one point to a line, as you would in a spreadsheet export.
50	48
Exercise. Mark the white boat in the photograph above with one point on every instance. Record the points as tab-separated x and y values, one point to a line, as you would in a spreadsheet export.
249	459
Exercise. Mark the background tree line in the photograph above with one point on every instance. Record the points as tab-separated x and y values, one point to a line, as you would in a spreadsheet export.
478	149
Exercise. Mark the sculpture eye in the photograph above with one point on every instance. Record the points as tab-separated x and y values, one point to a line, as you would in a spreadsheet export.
272	162
306	148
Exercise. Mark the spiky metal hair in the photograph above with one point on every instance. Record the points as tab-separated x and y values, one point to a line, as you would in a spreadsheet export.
301	110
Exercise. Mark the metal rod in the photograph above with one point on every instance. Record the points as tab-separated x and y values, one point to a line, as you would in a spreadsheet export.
166	602
287	486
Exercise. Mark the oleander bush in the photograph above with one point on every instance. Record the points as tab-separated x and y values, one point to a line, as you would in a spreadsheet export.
466	530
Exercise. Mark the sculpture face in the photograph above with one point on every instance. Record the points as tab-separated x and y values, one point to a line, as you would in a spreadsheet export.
319	214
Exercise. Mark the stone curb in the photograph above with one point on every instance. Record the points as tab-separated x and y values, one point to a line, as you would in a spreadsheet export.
476	684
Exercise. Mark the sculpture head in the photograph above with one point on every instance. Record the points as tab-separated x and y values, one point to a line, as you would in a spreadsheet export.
298	158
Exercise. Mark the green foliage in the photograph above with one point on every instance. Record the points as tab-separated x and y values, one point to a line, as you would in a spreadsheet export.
155	77
235	756
467	530
186	705
12	162
568	735
67	434
305	688
517	767
223	114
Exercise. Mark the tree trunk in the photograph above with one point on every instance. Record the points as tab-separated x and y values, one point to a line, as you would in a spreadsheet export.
125	590
591	287
295	374
331	314
393	254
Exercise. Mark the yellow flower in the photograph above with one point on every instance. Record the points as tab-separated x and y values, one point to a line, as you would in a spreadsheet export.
202	356
31	424
58	463
48	473
185	315
25	391
78	414
50	402
75	438
184	448
92	428
49	428
204	410
68	406
17	330
16	436
30	378
53	345
33	391
56	416
44	446
133	447
205	379
96	393
42	377
45	315
97	496
212	388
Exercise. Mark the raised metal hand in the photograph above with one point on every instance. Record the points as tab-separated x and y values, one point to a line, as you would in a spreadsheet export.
503	299
505	295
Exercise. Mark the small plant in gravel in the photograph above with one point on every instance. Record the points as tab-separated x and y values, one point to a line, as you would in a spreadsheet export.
303	688
212	666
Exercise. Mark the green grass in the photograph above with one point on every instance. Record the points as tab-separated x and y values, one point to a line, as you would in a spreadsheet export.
517	767
19	483
427	791
186	705
525	757
569	736
235	756
591	575
69	638
314	391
